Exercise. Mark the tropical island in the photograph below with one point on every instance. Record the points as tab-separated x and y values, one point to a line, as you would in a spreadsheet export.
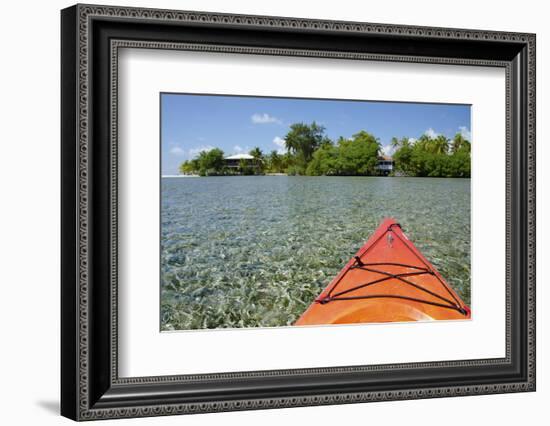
309	152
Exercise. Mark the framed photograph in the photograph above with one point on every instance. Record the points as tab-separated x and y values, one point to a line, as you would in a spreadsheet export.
263	212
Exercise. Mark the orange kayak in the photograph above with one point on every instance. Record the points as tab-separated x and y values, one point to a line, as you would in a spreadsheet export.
388	280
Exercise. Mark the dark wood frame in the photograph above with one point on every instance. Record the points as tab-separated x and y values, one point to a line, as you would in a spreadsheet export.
90	386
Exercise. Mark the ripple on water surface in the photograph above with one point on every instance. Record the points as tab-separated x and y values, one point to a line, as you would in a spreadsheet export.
255	251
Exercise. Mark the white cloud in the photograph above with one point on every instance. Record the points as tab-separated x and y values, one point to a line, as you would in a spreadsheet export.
237	149
412	141
193	152
465	132
281	143
177	150
388	150
264	119
431	133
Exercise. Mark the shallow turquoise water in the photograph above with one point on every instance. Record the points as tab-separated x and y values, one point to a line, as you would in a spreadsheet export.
255	251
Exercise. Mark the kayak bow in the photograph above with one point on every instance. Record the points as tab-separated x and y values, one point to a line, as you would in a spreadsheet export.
388	280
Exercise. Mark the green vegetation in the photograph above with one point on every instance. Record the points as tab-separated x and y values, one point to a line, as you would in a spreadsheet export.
310	152
433	157
258	162
206	164
276	162
349	157
302	141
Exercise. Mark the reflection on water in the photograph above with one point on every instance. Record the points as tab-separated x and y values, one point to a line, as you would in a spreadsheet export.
255	251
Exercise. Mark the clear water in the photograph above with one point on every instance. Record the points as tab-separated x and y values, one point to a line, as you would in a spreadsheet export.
255	251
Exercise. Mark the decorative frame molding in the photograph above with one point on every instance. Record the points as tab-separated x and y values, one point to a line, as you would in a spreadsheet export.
91	37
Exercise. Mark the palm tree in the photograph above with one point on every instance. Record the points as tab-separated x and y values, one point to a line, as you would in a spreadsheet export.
441	145
395	143
460	143
424	143
437	145
258	158
275	162
303	140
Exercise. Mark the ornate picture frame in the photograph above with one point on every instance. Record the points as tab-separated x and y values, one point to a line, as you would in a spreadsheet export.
91	38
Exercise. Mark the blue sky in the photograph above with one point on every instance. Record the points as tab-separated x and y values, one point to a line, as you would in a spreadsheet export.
236	124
